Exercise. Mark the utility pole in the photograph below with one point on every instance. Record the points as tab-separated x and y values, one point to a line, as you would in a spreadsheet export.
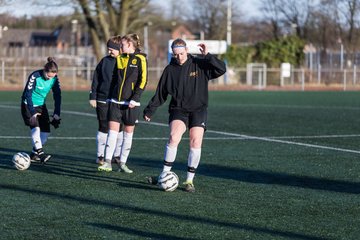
146	37
228	27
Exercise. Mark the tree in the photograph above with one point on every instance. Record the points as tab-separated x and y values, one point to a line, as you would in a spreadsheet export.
209	16
291	16
322	27
107	18
272	14
348	27
273	52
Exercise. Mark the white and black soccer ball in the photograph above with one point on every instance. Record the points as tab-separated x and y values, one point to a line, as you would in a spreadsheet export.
168	181
21	161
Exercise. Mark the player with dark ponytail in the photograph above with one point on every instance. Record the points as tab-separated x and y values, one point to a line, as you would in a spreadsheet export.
34	110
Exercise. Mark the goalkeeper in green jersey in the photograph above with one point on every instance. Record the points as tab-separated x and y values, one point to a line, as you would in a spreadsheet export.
34	110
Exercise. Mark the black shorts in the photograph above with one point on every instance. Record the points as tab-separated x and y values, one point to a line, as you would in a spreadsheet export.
191	119
123	114
102	109
43	119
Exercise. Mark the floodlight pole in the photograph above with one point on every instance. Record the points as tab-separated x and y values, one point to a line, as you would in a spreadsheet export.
146	37
341	56
74	29
2	29
228	27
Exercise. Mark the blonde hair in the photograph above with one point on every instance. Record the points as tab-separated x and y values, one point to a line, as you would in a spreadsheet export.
133	38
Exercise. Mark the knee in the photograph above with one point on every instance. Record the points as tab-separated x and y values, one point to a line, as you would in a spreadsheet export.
195	143
174	140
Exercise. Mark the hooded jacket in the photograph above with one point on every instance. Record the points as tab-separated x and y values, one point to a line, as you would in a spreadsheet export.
187	84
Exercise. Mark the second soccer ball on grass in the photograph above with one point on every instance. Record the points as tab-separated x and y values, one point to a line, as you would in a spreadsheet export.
168	181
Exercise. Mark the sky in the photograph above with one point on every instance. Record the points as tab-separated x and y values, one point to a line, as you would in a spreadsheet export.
249	8
20	8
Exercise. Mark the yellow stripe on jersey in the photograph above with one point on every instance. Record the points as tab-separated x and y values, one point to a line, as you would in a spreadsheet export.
122	61
144	71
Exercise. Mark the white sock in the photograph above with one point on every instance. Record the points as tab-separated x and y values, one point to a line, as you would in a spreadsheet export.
119	142
110	145
126	147
101	143
193	163
35	138
169	158
44	137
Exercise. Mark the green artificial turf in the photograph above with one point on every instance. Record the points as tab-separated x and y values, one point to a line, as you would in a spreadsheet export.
274	165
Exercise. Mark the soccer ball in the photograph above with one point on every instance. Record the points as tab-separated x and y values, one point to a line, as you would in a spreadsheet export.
168	181
21	161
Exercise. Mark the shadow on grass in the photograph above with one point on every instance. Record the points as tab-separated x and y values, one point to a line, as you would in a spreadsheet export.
170	216
137	232
79	167
6	155
257	176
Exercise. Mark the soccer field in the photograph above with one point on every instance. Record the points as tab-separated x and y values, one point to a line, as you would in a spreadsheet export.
275	165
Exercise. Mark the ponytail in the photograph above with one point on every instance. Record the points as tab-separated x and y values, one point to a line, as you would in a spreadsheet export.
51	65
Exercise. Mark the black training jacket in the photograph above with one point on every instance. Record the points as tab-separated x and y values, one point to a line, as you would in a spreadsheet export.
187	84
100	86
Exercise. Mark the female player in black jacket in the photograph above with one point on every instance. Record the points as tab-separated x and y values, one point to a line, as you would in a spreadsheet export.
186	80
100	95
127	87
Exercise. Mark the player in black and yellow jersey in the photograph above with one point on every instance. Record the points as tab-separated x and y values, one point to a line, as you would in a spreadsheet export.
127	87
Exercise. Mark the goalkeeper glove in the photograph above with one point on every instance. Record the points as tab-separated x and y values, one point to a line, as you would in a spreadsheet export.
55	121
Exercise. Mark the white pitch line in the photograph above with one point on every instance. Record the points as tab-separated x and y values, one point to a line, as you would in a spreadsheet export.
79	113
318	136
8	106
289	142
298	106
135	138
241	136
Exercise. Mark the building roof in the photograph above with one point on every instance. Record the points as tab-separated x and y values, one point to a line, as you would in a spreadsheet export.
20	37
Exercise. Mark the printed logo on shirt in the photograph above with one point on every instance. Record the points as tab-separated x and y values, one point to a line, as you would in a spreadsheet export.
133	63
193	74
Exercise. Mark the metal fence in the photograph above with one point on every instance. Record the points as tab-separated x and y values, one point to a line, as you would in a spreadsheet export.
71	78
261	78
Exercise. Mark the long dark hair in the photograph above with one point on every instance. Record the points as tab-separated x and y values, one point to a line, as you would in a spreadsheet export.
51	65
